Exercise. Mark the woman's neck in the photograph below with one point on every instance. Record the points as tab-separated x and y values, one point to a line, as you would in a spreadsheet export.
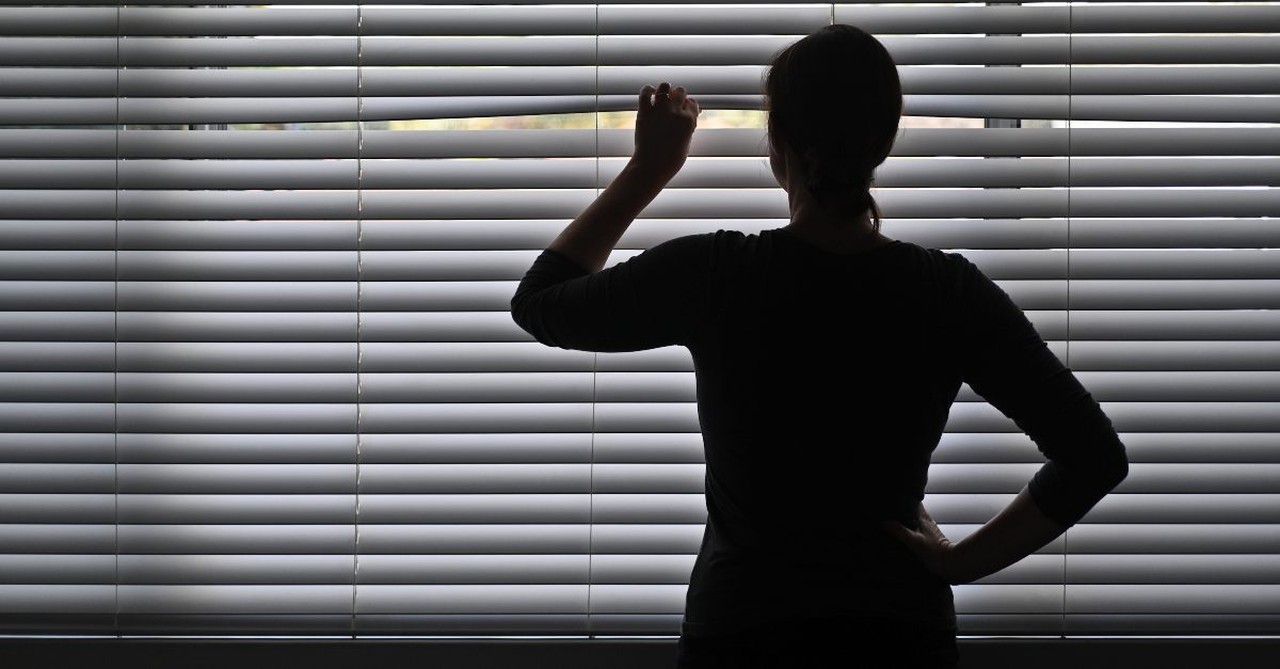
836	233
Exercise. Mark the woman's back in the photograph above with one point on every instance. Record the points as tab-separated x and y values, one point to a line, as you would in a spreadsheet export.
824	383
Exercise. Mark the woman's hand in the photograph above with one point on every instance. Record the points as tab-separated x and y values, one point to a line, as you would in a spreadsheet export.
930	545
665	122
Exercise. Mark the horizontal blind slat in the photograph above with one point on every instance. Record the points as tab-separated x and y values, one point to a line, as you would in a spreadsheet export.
138	21
280	174
537	81
623	50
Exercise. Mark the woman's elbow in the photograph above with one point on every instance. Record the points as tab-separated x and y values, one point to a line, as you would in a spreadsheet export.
1114	470
524	311
518	312
1121	471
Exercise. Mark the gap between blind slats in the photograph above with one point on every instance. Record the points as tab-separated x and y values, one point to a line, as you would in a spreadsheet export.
998	142
147	111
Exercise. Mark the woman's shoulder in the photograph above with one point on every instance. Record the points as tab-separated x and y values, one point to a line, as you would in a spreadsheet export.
702	240
710	246
724	245
955	263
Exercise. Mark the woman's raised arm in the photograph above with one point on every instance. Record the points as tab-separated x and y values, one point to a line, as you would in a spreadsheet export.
665	122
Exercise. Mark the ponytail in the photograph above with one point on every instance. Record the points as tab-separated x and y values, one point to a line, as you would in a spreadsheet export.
833	182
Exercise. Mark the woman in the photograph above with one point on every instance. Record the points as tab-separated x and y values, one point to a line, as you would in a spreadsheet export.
827	356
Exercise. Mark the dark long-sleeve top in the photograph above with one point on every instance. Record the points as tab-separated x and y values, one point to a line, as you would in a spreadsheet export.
824	383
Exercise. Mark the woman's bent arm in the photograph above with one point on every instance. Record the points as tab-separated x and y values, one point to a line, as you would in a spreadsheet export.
1018	531
1005	360
591	236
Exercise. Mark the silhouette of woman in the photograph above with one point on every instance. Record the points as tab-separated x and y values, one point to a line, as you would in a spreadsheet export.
827	358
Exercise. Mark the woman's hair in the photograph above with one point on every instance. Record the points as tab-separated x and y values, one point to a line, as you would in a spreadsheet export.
834	99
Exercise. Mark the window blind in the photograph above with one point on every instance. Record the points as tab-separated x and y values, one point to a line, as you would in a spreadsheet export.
258	375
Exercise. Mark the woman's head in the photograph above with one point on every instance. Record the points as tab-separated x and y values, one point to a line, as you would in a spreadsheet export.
833	101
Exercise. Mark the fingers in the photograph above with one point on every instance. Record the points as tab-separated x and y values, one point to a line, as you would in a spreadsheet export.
678	98
899	531
646	98
664	94
929	528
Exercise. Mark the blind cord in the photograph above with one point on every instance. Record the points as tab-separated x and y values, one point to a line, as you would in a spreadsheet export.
115	348
595	359
1070	149
355	559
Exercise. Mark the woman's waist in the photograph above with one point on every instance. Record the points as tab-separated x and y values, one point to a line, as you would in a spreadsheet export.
711	613
940	626
855	547
896	587
818	577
